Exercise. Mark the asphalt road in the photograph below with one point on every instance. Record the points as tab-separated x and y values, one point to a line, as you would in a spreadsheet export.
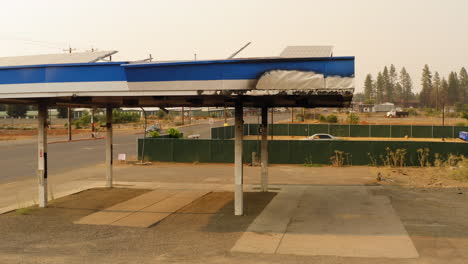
18	158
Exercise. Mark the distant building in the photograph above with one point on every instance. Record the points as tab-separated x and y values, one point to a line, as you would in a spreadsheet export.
385	107
365	108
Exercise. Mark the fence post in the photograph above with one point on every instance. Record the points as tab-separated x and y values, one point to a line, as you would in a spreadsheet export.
328	128
411	126
370	130
349	130
390	130
432	131
453	131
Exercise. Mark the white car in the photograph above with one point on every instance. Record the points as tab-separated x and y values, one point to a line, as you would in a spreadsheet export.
322	137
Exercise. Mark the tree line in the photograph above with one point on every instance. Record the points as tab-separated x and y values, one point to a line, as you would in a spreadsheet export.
437	91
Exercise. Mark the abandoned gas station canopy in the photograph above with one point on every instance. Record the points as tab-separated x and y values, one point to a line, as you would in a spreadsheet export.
274	81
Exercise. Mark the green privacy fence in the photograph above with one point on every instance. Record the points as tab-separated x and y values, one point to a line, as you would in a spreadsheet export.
345	130
290	151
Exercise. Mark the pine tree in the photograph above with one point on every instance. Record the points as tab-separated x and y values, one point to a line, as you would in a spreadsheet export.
426	83
406	85
452	88
443	93
463	83
393	79
368	87
62	112
398	93
387	89
17	110
379	87
435	91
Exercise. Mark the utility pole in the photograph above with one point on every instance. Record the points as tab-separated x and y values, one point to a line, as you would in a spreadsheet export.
443	114
69	50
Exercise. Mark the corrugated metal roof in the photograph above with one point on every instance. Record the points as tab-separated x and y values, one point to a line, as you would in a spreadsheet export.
307	52
78	57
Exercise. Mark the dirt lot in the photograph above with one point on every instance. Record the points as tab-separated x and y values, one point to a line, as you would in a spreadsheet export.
203	230
380	119
365	139
434	215
14	134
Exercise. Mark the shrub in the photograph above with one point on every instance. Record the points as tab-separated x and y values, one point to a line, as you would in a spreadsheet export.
432	112
309	115
423	157
84	121
340	159
413	112
153	134
300	117
353	119
394	158
160	114
332	119
464	115
174	133
322	118
119	117
461	172
460	124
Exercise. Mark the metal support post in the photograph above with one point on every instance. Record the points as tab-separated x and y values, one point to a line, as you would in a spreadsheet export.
264	149
42	154
69	124
109	147
238	166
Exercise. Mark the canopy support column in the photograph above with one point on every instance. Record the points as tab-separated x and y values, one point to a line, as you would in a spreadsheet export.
69	127
264	150
109	147
238	165
42	154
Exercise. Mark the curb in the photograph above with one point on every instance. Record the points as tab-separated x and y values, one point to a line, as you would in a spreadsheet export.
74	140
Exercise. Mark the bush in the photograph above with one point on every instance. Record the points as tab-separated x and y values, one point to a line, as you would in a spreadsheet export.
332	119
460	124
174	133
160	114
413	112
322	118
353	119
309	116
119	117
84	121
153	134
299	117
464	115
432	112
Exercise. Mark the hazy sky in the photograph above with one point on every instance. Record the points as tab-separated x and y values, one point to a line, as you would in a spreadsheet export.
407	33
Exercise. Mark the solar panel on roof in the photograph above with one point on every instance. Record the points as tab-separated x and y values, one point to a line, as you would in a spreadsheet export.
307	51
78	57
